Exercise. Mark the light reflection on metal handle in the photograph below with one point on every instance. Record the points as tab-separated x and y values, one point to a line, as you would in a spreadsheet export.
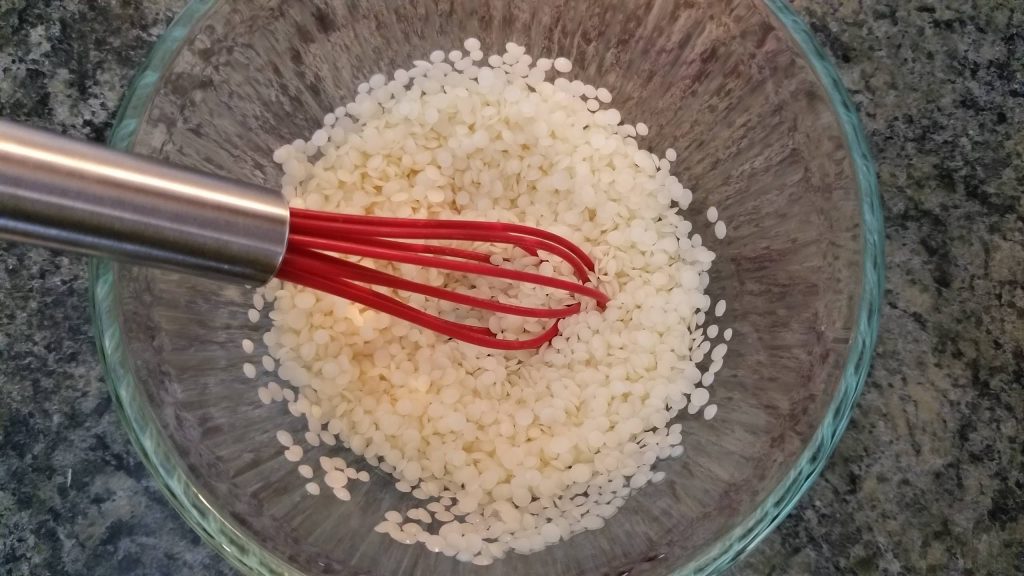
83	197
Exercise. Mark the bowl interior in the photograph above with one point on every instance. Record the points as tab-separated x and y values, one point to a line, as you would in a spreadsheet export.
723	83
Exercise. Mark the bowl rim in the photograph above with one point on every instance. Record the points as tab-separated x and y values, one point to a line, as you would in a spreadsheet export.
244	553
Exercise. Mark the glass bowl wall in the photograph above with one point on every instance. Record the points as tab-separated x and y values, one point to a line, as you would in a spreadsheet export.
764	132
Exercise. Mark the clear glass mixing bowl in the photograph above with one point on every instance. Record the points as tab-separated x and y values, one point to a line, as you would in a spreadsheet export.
764	131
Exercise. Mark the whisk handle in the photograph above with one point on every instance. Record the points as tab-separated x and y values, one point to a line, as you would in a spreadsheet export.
83	197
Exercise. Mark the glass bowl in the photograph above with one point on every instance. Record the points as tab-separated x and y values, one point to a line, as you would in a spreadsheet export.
764	131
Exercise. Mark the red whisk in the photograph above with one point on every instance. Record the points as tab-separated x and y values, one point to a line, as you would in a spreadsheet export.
314	237
78	196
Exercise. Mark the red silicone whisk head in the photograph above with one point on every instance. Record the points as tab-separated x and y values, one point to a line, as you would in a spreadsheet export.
318	242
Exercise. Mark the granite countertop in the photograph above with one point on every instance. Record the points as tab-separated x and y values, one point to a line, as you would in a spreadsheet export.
929	478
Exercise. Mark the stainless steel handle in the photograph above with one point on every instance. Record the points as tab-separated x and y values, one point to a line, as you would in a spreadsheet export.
71	195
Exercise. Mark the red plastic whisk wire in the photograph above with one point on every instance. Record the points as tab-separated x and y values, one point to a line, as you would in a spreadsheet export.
302	213
367	251
314	236
359	232
293	269
329	266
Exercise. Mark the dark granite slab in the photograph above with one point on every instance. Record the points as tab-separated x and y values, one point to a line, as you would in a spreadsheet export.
929	479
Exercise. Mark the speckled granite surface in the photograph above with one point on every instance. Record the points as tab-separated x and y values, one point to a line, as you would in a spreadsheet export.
929	478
